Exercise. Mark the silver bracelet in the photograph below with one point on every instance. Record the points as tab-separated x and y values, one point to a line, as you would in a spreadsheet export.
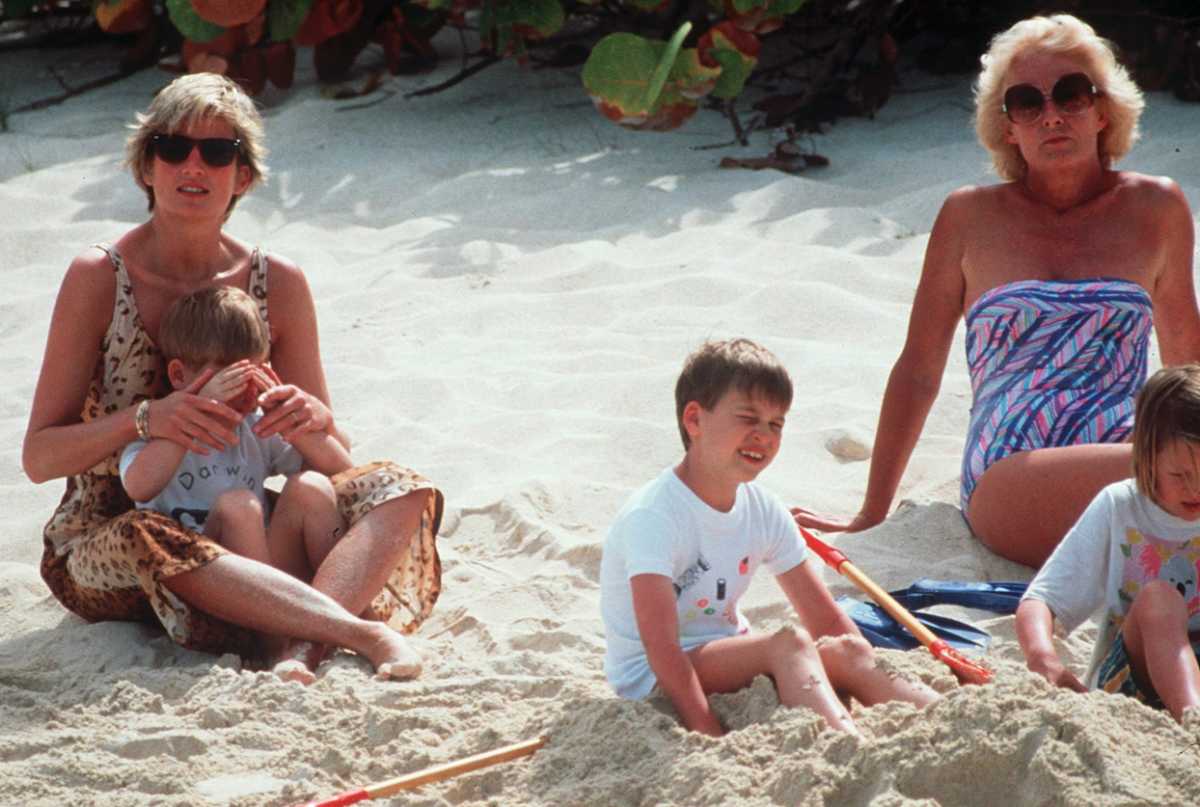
141	420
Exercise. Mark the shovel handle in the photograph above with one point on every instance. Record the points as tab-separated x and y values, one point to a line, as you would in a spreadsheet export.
825	552
969	672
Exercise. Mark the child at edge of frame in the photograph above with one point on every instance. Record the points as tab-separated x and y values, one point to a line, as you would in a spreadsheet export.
684	548
1136	552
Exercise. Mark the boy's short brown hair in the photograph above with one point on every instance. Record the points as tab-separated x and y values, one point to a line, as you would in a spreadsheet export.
217	325
717	367
1168	408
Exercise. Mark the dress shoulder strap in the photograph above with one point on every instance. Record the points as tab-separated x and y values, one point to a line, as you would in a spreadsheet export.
124	306
258	281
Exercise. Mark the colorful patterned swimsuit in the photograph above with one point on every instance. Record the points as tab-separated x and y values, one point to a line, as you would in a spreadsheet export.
1052	363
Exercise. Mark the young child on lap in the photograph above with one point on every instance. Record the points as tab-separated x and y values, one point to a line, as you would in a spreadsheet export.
683	549
1135	550
221	494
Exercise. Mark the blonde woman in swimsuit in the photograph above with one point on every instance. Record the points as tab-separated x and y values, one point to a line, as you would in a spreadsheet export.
195	152
1060	272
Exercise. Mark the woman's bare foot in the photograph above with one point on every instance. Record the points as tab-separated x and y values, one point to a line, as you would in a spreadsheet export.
391	654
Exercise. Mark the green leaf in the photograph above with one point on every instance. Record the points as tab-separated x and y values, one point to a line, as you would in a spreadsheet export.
284	18
666	61
782	8
644	83
509	22
735	51
760	16
647	5
190	24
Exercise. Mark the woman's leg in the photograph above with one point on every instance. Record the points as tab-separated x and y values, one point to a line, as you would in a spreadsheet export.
1156	638
262	598
354	569
1024	504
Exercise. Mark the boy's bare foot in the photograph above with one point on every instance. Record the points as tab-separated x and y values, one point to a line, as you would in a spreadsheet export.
297	661
294	670
391	654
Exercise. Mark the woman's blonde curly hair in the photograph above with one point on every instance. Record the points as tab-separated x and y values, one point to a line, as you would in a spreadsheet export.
1120	99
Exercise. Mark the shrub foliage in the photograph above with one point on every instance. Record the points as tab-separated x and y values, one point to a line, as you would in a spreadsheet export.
647	64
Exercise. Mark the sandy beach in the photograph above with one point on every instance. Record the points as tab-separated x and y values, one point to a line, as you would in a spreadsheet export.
507	285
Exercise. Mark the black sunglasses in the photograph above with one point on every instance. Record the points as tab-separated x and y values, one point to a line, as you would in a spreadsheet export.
1073	94
217	152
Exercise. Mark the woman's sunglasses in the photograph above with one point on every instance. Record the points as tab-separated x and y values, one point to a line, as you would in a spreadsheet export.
217	152
1073	94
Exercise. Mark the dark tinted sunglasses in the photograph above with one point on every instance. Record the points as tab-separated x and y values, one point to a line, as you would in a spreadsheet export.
1073	94
217	152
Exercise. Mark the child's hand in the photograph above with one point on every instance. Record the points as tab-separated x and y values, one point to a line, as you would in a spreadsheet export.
230	382
1053	670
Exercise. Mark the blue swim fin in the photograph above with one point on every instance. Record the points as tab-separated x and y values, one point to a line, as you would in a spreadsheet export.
998	597
878	627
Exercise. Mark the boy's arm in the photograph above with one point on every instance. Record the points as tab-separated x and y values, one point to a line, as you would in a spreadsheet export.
1035	633
807	593
658	625
322	452
152	468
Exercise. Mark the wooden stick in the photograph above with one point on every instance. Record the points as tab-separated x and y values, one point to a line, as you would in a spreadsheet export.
437	773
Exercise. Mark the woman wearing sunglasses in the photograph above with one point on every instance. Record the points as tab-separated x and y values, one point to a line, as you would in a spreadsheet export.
1059	273
195	152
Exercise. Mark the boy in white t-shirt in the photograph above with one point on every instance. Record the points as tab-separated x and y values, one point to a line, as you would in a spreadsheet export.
219	331
683	549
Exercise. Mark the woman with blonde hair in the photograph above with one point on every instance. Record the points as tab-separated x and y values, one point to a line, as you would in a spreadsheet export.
1059	272
195	152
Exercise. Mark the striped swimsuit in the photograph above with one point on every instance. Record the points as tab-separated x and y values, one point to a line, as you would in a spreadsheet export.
1052	363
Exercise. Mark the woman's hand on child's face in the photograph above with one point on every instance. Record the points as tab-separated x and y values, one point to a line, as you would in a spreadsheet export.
194	420
289	411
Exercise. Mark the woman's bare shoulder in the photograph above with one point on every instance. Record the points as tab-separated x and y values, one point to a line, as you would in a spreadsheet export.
1150	189
972	202
91	272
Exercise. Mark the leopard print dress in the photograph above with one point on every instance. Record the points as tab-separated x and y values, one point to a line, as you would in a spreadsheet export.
105	560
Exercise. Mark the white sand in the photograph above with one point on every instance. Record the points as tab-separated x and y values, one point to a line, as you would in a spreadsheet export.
507	285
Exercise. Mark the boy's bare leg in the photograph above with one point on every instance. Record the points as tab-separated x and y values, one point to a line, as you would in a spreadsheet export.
850	663
235	521
789	656
1156	637
305	517
305	524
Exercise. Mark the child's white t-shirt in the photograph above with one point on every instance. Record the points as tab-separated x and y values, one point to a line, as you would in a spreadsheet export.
1122	541
200	478
709	556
